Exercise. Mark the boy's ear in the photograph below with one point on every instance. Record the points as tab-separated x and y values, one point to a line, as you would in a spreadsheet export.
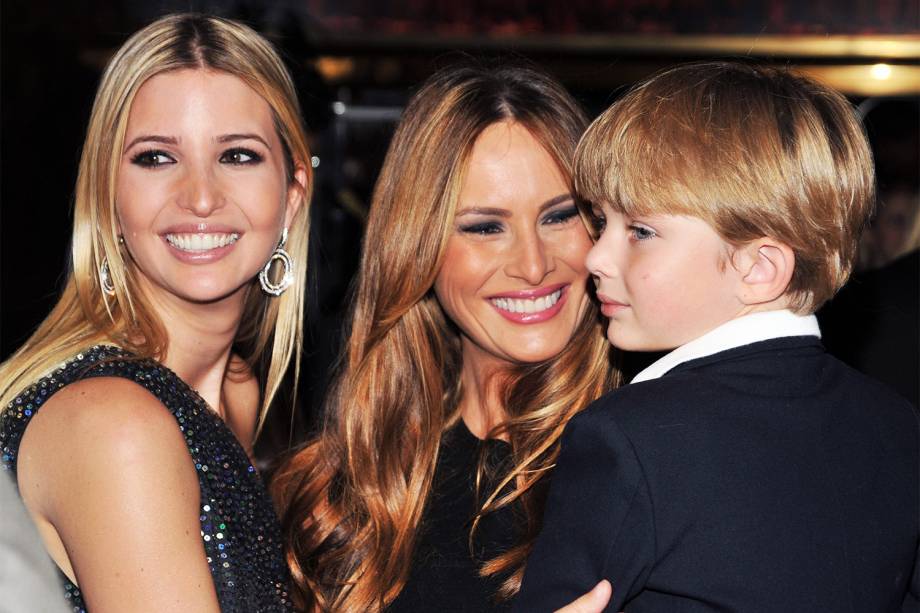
766	266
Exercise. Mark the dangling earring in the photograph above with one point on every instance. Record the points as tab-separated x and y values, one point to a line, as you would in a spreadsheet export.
105	278
287	277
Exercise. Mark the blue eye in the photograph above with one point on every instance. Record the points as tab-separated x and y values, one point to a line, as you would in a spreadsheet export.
152	158
484	228
561	216
240	156
641	233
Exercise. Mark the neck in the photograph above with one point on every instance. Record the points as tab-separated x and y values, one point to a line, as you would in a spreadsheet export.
777	304
481	407
200	337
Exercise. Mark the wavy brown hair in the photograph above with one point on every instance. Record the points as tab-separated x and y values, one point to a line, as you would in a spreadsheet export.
352	500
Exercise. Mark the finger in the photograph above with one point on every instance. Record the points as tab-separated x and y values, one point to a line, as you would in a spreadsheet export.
593	602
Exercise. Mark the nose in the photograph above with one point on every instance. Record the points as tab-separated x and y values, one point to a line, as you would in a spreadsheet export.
200	192
602	257
530	260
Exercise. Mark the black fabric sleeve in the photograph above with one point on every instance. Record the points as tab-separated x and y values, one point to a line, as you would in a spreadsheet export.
598	524
912	599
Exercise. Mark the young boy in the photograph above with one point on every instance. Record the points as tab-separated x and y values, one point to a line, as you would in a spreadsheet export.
747	470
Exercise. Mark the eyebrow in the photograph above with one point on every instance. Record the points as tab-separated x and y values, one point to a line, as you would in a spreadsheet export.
152	138
171	140
227	138
506	213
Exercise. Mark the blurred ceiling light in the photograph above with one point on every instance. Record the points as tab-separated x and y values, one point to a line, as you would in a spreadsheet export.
335	68
880	71
865	80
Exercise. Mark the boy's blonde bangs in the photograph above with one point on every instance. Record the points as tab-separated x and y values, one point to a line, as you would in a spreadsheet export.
752	151
623	163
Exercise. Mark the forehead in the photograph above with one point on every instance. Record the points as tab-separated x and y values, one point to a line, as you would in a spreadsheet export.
508	164
189	99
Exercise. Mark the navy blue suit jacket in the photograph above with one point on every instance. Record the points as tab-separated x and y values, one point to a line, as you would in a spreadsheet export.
767	478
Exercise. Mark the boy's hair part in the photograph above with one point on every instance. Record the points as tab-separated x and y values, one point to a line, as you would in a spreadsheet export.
752	150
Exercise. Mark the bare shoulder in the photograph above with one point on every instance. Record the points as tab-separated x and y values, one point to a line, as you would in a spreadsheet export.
95	428
106	409
105	463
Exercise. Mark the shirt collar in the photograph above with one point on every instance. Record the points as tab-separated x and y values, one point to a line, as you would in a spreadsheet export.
744	330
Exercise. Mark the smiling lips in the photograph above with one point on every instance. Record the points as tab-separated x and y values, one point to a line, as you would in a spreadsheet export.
531	306
200	247
201	242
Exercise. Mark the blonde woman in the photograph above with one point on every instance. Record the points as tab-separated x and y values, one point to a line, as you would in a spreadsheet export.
473	340
129	413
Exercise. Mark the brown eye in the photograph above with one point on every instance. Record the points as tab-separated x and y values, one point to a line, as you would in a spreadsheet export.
240	156
152	159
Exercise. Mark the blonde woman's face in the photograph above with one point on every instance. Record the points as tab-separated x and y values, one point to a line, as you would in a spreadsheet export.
513	278
201	191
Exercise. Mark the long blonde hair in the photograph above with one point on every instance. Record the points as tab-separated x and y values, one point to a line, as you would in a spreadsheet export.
271	331
352	500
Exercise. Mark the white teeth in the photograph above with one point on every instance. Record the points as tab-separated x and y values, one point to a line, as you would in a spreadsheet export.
527	305
201	242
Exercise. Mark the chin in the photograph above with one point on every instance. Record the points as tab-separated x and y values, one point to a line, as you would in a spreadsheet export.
532	355
625	343
206	294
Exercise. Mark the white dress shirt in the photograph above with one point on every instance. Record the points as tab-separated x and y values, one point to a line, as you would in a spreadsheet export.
744	330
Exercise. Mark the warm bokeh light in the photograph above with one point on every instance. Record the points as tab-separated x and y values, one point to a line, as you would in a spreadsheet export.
880	71
861	80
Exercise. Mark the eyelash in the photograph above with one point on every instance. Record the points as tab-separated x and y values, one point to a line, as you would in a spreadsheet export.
561	215
598	223
557	217
484	228
641	233
254	158
149	157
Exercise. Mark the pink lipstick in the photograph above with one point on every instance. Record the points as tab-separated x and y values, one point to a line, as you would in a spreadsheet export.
531	306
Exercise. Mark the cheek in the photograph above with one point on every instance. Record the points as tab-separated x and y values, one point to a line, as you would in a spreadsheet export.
139	199
133	213
572	248
263	200
467	264
450	279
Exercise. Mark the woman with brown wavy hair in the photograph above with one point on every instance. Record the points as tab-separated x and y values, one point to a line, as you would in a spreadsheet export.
472	342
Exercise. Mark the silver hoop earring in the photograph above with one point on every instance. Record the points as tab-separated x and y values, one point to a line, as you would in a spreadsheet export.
287	277
105	278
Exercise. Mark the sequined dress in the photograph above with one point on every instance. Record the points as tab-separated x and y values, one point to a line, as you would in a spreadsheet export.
240	531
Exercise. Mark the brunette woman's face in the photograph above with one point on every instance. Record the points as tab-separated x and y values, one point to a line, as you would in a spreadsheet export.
514	278
202	194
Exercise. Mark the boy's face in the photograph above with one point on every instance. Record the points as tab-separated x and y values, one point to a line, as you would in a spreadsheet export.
662	280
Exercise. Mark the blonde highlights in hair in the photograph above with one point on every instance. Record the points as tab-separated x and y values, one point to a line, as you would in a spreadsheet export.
753	151
352	500
271	333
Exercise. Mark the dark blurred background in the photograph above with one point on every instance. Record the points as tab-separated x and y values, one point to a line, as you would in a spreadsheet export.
356	62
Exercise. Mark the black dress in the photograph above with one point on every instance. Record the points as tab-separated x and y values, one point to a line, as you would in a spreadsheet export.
242	539
445	573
